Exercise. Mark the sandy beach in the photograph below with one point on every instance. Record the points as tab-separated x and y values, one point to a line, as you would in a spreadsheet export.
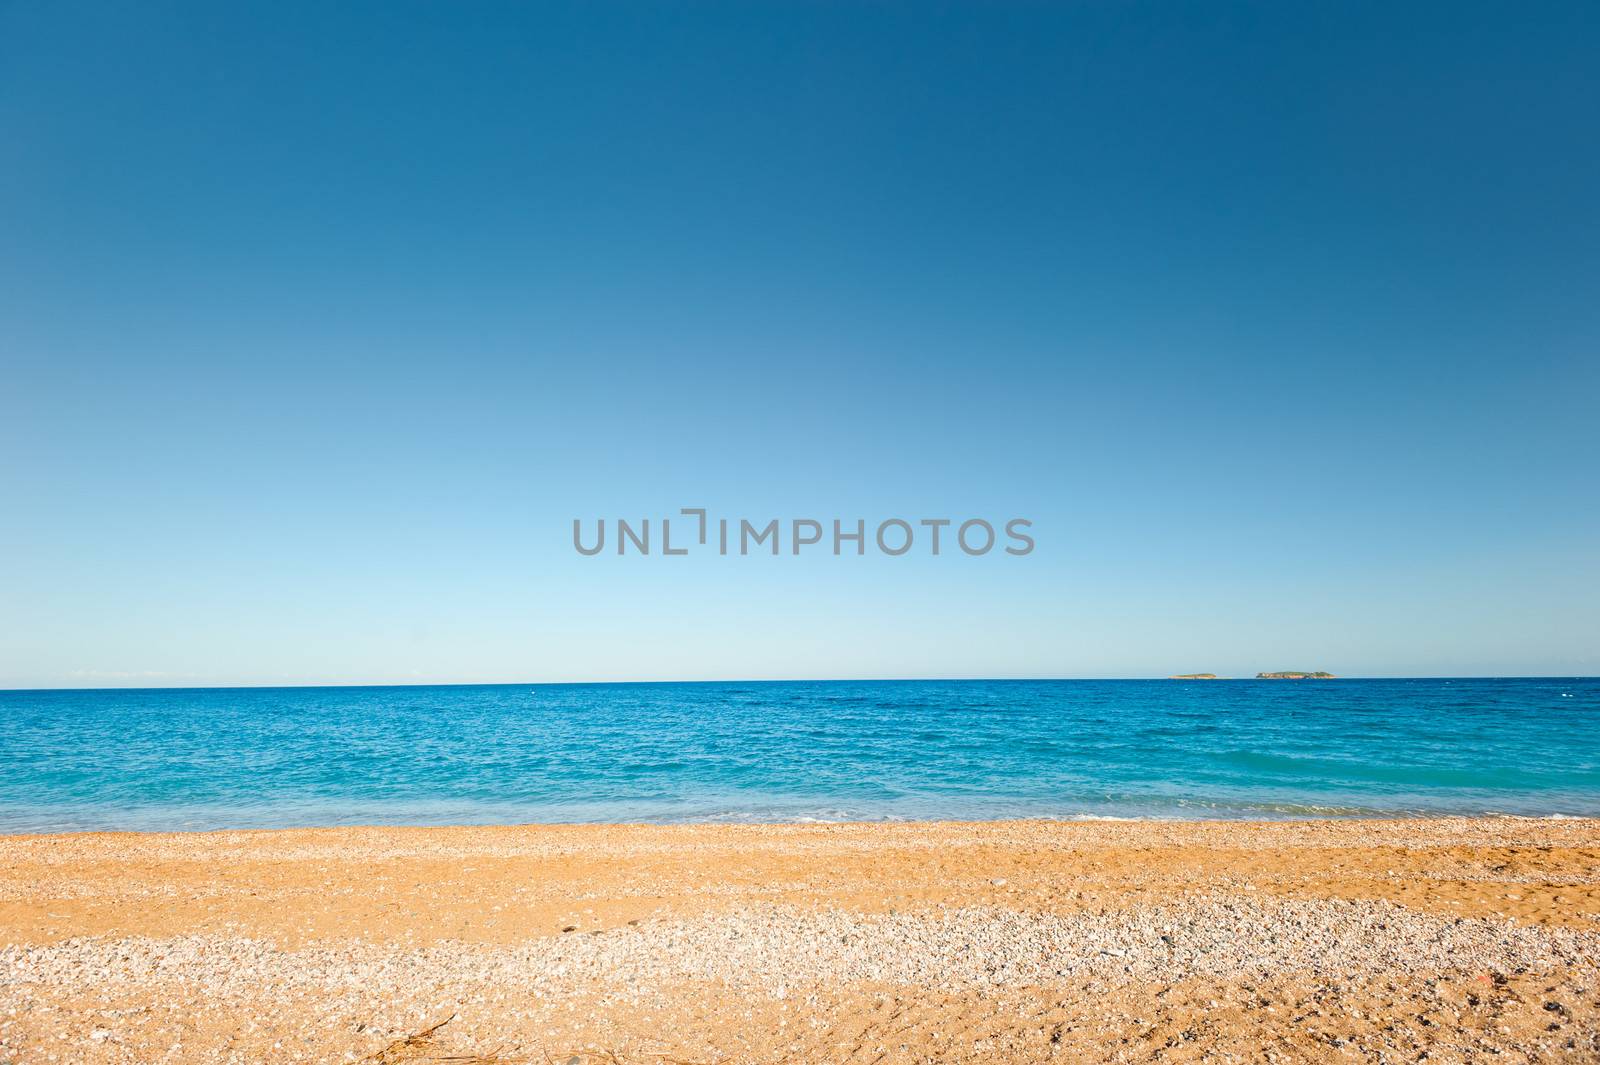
1440	940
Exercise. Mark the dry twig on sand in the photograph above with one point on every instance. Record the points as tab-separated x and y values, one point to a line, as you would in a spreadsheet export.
408	1049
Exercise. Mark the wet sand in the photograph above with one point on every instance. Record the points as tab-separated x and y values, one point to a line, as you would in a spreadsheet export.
1460	939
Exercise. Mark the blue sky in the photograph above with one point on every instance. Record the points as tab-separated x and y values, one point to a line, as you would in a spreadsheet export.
320	323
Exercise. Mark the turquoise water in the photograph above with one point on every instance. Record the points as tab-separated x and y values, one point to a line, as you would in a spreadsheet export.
245	757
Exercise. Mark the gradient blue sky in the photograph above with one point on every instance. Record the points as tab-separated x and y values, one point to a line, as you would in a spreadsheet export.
320	323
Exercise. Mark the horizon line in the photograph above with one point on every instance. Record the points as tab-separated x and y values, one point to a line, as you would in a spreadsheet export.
776	680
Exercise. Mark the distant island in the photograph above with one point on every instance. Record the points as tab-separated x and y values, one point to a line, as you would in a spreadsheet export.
1286	674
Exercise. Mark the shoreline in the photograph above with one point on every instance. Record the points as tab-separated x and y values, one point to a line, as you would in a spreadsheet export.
1018	940
1363	817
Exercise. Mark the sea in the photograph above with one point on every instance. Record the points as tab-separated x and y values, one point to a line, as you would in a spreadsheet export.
222	758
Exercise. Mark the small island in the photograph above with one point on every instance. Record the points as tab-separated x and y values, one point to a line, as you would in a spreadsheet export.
1193	676
1294	674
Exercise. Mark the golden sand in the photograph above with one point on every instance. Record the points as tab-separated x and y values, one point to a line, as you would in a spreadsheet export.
1009	941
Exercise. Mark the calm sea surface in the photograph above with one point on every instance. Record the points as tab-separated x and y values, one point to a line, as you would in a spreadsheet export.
245	757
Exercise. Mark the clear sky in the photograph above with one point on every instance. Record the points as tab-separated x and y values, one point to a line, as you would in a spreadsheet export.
319	324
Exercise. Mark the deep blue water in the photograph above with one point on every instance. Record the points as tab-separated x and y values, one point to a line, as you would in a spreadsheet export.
244	757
